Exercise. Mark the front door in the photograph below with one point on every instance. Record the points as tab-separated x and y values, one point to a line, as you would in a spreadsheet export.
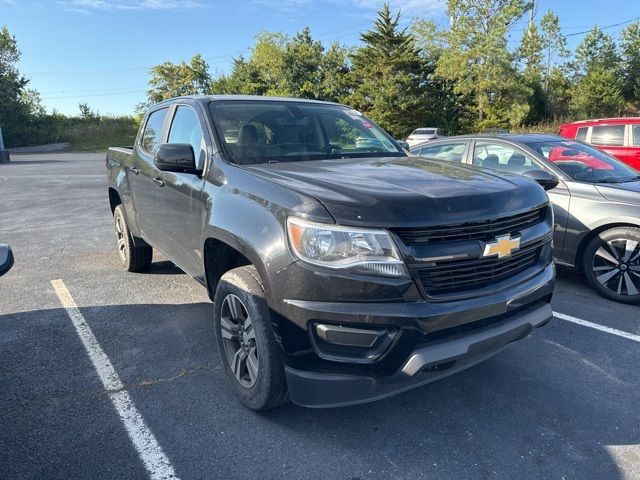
180	204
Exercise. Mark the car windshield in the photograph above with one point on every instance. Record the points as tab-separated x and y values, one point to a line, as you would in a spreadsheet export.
584	163
424	131
255	131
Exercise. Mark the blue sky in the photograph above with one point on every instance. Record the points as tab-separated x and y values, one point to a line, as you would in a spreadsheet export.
100	51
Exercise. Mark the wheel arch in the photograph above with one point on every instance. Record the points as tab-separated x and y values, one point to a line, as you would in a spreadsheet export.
114	199
592	233
223	254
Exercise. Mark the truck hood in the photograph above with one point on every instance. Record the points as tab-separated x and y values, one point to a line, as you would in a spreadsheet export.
405	191
626	192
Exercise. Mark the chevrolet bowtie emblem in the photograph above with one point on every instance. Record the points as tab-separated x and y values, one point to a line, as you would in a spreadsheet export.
502	247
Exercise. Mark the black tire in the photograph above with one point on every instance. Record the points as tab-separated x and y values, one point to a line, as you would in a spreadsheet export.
134	257
611	263
266	388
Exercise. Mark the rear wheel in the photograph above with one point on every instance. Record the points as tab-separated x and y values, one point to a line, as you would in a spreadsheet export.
246	341
135	257
611	264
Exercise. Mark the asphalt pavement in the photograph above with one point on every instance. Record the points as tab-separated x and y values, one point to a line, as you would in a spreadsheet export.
562	403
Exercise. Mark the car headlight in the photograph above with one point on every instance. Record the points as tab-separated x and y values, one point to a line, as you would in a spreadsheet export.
346	248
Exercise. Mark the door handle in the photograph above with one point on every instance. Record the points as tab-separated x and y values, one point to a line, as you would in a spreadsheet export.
134	170
158	182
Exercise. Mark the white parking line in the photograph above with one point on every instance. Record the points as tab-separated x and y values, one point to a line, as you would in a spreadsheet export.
148	448
597	326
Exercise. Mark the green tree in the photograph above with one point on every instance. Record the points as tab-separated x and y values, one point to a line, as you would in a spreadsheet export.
553	43
335	68
32	101
442	104
283	66
630	53
245	79
596	73
301	65
388	76
557	89
598	94
173	80
558	94
13	112
530	53
430	39
87	113
479	64
596	51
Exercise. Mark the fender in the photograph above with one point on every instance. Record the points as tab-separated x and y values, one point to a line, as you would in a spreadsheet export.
252	220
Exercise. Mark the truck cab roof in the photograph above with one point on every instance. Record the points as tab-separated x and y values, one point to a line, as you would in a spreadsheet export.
225	98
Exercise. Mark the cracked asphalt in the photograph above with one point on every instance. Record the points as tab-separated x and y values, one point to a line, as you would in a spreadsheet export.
563	403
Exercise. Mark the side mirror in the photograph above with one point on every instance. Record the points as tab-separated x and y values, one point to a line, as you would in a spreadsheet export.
545	179
403	144
6	259
176	157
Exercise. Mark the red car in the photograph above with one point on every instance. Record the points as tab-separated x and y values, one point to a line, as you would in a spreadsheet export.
619	137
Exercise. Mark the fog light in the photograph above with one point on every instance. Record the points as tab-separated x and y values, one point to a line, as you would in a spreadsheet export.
347	336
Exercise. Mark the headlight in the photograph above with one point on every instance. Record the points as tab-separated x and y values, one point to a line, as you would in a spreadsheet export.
346	248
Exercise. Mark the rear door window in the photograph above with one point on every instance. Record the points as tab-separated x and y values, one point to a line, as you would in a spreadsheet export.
608	135
582	134
152	135
452	152
635	135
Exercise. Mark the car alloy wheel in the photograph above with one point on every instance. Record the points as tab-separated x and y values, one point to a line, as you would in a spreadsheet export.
616	266
239	340
121	238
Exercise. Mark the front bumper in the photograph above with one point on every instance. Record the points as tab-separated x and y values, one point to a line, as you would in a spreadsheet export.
424	365
431	339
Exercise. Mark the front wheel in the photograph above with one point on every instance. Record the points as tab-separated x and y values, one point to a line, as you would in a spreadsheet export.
246	340
611	264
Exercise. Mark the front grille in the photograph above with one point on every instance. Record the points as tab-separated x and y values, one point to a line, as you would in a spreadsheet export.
481	230
461	275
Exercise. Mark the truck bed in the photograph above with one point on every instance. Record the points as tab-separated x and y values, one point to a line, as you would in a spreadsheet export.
119	156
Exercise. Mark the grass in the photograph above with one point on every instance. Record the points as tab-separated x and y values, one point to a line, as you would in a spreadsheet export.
94	137
550	128
83	134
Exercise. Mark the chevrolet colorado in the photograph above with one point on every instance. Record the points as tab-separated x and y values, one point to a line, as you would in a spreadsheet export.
342	270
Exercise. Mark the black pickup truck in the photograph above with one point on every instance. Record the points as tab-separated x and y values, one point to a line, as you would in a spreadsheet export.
342	270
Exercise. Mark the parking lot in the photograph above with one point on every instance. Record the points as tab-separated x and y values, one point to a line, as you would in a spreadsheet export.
563	403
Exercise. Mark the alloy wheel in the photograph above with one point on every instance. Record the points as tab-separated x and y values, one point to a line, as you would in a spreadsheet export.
616	266
239	340
120	235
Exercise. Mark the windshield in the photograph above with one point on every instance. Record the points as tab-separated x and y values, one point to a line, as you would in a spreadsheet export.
424	131
584	163
255	131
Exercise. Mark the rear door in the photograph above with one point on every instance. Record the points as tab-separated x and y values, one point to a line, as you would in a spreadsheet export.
611	139
143	171
180	199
